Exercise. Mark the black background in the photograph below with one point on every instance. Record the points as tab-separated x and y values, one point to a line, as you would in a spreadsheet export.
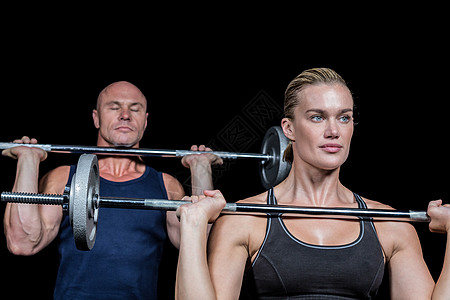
200	76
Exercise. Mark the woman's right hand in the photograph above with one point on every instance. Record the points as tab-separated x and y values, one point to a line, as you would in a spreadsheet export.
204	208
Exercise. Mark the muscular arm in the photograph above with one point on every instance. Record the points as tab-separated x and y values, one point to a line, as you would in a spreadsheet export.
409	274
193	281
22	222
217	275
442	289
220	275
200	167
29	228
440	222
228	252
410	278
201	179
175	191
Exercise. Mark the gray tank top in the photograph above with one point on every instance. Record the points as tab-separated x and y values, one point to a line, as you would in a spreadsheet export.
287	268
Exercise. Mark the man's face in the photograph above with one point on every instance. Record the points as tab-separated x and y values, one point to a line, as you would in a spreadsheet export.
121	116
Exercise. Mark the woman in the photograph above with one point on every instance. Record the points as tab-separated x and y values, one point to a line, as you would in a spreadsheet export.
307	258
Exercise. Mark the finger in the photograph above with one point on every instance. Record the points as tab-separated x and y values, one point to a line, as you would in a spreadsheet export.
178	213
215	160
201	148
219	161
194	148
212	193
6	152
196	198
26	139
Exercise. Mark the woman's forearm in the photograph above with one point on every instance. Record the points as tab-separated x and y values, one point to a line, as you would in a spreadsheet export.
192	280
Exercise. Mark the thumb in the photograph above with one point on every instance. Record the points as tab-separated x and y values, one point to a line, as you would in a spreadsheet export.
434	203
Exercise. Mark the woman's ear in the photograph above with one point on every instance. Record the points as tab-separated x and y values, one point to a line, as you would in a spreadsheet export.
288	128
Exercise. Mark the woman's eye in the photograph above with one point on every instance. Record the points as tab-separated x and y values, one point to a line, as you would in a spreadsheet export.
317	118
345	119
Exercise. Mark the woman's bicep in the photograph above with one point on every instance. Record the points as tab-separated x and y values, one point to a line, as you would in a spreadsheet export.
409	274
227	256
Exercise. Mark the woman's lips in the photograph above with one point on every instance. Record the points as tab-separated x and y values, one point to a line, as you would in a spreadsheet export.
331	148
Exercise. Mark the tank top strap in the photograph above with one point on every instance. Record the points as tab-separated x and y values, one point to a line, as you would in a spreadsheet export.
361	203
366	220
271	200
73	169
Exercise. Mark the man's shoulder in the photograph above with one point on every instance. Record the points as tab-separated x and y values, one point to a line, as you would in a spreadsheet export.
55	180
174	188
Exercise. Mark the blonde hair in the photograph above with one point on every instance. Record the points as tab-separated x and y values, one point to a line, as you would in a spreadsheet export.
308	77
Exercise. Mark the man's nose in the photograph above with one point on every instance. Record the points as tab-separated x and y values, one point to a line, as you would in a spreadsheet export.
124	115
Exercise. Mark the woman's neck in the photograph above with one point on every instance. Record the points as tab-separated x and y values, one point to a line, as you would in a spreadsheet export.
307	185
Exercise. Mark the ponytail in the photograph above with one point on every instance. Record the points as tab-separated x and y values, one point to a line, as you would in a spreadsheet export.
288	154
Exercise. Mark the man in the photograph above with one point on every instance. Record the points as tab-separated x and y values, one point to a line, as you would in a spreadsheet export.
124	262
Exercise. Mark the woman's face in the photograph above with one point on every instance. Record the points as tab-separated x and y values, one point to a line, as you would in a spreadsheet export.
322	126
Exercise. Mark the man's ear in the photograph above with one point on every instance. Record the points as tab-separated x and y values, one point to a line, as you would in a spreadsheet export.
146	119
96	118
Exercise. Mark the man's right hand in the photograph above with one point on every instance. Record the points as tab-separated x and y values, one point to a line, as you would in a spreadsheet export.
16	152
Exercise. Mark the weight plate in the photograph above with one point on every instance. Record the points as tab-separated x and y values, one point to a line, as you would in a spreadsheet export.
83	210
274	170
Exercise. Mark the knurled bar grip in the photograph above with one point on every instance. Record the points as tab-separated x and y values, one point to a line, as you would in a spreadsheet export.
31	198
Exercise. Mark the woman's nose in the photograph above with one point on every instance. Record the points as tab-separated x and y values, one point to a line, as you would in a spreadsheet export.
332	130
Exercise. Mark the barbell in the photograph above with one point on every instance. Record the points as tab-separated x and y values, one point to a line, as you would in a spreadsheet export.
81	199
272	168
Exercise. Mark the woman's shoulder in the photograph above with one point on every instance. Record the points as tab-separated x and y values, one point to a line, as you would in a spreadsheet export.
373	204
241	229
237	220
257	199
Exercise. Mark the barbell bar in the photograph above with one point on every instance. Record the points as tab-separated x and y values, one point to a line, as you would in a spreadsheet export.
272	167
134	151
82	201
172	205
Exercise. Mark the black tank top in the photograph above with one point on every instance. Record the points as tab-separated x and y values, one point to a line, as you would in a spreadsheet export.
287	268
124	262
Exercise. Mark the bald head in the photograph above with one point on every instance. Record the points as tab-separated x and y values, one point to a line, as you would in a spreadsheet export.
121	90
121	115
